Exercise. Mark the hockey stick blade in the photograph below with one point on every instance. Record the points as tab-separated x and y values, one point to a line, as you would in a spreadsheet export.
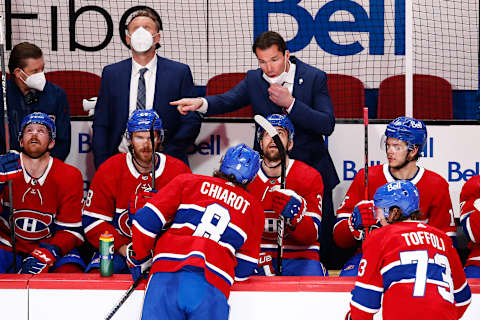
2	30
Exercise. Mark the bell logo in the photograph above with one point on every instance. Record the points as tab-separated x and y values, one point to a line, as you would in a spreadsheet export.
416	124
393	186
322	24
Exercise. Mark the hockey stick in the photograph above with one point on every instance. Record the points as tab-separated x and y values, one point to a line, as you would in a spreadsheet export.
144	273
365	124
272	132
154	156
126	295
7	141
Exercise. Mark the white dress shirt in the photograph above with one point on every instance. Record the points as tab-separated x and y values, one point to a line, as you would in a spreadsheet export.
150	76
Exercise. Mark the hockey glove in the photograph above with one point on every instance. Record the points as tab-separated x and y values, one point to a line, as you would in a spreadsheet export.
265	262
137	202
290	205
10	167
40	259
137	267
362	218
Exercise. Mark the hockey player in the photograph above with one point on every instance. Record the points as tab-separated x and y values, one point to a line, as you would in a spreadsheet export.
125	179
214	239
47	204
470	221
404	139
303	186
413	265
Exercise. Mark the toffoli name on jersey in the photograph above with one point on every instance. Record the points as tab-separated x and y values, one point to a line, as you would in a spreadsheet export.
422	237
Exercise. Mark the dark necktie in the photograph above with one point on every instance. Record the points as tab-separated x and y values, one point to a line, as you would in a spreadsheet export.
141	93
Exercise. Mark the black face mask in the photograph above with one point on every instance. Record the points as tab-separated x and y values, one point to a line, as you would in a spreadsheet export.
31	97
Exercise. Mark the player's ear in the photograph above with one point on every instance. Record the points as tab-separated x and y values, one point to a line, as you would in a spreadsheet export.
412	153
51	144
17	72
156	38
289	145
127	36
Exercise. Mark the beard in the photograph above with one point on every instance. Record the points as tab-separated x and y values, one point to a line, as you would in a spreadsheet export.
272	155
141	156
34	150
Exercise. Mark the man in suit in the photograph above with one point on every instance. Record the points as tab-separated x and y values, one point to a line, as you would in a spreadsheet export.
145	81
28	91
285	84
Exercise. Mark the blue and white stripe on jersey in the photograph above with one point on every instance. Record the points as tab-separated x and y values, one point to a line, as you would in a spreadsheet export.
340	217
92	219
367	297
190	216
396	272
462	295
317	220
245	266
73	228
181	257
465	222
149	220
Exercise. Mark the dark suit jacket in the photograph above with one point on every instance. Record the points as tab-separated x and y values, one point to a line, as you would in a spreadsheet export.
173	82
312	113
52	101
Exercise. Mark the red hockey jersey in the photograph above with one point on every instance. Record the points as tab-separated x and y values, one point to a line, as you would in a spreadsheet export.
470	218
113	186
302	243
435	203
214	225
47	209
416	269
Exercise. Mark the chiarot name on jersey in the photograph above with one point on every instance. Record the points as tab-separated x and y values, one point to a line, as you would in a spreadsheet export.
229	197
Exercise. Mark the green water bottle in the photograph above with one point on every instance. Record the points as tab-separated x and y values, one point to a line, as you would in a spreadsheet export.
106	254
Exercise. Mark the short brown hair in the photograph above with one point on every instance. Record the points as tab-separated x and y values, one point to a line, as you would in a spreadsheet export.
415	215
149	13
229	177
20	53
267	39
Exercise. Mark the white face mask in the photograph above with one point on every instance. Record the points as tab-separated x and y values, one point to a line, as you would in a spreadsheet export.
141	40
279	79
36	81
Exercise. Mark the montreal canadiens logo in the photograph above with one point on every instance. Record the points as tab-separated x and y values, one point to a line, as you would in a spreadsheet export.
123	225
32	225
